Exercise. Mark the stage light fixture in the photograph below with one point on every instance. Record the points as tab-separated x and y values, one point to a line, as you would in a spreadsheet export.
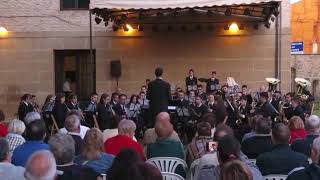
170	28
115	28
247	12
3	32
140	28
97	20
128	28
228	12
233	28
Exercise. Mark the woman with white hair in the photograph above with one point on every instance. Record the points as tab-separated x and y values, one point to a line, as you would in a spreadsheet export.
233	85
15	130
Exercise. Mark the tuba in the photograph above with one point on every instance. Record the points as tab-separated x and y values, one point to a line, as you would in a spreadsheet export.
301	85
273	84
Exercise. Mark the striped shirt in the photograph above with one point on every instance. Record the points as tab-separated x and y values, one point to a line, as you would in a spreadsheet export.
14	140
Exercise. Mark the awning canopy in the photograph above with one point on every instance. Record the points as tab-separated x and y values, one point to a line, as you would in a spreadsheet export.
168	4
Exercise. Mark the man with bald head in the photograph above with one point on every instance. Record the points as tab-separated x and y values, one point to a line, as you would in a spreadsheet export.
164	146
150	136
41	165
281	159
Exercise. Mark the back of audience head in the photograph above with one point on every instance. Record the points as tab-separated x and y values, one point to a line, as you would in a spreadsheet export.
60	98
253	120
210	118
36	130
228	149
62	147
221	131
235	170
296	123
263	126
2	116
204	129
127	127
41	166
315	151
120	164
76	113
313	124
72	123
31	116
92	144
163	127
5	155
114	122
16	127
280	134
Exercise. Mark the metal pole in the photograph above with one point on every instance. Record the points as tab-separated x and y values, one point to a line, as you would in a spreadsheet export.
90	21
276	53
280	40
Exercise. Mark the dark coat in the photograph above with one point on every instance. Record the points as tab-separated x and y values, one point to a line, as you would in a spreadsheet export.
312	172
59	112
303	145
104	115
159	94
281	160
24	109
73	107
256	145
267	110
191	82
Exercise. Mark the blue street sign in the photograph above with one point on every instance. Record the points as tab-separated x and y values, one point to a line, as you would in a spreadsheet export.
296	47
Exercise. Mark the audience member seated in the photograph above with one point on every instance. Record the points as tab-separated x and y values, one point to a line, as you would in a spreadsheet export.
211	119
15	130
164	145
150	136
313	130
62	147
297	131
235	170
7	170
261	142
281	160
252	124
72	125
198	146
312	172
36	132
60	109
126	130
41	165
145	171
32	116
119	169
83	129
109	133
3	127
93	154
228	150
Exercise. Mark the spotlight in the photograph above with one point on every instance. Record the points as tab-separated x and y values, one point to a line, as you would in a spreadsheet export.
98	20
228	12
115	28
199	27
256	26
241	27
247	12
267	25
154	28
226	27
210	27
140	28
125	28
170	28
183	28
233	28
209	13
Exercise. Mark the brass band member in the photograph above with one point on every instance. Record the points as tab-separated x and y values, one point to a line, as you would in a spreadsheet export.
105	112
191	82
73	102
211	104
247	94
266	109
198	109
297	109
201	93
60	109
212	83
244	109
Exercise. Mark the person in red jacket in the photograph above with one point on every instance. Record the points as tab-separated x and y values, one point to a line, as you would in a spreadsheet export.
126	130
297	130
3	127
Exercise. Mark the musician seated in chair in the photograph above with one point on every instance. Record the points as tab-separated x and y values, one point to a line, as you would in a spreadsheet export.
266	109
91	109
73	102
191	82
198	109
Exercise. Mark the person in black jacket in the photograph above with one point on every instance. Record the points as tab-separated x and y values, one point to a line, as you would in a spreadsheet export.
312	172
159	94
60	109
25	106
105	112
281	159
73	102
191	82
212	83
266	110
297	109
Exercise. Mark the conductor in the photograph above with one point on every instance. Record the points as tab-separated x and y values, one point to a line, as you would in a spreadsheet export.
159	95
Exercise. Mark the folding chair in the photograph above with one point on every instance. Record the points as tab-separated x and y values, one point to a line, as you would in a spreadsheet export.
96	125
54	127
275	177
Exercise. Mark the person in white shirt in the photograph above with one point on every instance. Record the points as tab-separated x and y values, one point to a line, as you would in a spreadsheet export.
74	120
7	170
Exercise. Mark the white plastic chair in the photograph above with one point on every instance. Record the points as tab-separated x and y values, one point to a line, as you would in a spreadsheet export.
275	177
193	168
253	161
171	176
167	164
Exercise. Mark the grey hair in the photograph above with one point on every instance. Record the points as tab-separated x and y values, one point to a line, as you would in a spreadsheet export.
31	116
72	123
126	126
62	147
4	150
316	144
313	124
41	166
16	126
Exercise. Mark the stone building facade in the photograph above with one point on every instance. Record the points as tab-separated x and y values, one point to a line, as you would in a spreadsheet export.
38	29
